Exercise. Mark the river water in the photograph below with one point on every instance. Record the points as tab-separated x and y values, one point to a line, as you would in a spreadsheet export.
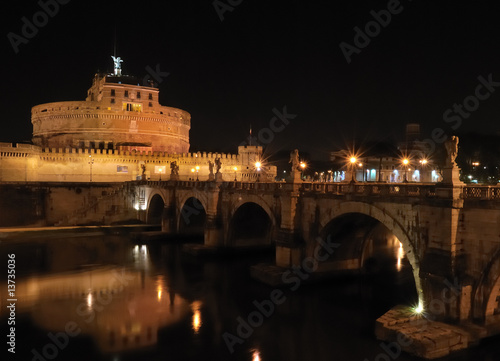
82	297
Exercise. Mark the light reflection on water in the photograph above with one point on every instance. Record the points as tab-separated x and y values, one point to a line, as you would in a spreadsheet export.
196	319
256	355
150	302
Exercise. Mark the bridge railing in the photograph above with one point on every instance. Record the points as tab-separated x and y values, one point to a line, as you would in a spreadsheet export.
424	190
482	192
260	186
367	189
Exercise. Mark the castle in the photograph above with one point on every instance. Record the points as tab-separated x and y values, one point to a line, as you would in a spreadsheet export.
120	133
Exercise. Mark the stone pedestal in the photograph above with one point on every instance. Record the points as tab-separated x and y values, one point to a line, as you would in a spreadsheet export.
211	177
295	177
218	177
451	175
174	177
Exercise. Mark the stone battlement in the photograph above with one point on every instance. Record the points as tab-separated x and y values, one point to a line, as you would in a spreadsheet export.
31	163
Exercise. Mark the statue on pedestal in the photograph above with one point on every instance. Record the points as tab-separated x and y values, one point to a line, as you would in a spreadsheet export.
218	165
294	159
118	66
451	146
174	169
211	170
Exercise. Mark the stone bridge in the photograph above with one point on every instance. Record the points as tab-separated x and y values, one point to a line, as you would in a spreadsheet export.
450	235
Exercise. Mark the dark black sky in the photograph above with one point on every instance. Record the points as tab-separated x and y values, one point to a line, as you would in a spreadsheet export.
264	55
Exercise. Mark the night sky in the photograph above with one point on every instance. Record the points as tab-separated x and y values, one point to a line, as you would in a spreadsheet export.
265	55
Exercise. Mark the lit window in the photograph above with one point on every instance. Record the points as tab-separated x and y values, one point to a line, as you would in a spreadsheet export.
132	107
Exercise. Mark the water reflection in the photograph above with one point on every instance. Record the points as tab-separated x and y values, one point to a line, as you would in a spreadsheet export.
400	255
151	302
256	355
120	310
196	319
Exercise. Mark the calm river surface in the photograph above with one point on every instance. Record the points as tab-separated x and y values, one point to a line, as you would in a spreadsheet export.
82	297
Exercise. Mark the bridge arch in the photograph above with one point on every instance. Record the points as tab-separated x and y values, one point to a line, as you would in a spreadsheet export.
251	222
391	223
156	205
200	196
192	215
487	293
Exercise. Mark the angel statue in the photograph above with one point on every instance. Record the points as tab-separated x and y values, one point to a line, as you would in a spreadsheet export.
294	159
451	146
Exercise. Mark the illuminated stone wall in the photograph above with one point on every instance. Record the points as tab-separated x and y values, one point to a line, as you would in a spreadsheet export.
28	163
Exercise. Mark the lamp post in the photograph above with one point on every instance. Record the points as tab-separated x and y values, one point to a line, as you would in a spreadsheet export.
257	166
423	163
192	171
353	162
91	161
160	170
405	165
235	170
302	166
197	170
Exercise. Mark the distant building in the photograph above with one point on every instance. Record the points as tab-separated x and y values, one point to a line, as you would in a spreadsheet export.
389	165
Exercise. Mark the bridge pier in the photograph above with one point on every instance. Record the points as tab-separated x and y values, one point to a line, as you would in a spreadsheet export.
168	218
290	245
214	232
289	249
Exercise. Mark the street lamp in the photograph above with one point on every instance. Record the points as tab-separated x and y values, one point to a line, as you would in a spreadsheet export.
423	162
192	171
235	170
91	161
257	166
302	166
197	170
406	161
353	161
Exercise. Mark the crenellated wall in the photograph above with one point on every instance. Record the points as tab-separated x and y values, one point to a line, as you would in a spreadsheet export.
28	163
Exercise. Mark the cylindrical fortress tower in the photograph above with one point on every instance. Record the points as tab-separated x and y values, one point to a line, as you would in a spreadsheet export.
118	113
